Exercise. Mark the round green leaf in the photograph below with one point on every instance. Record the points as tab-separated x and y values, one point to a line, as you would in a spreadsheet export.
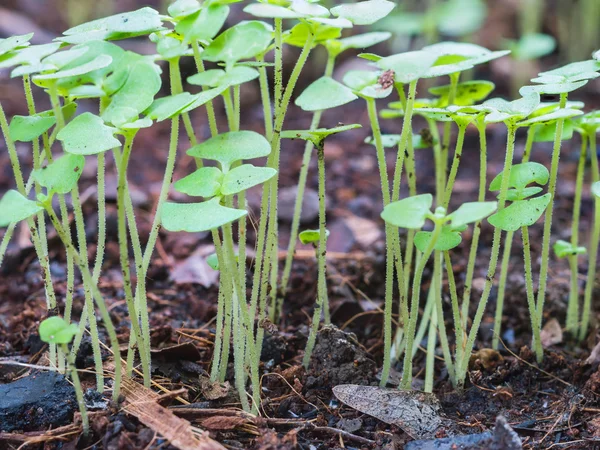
467	93
230	147
87	135
550	87
204	182
364	13
61	175
300	33
521	175
563	249
471	212
204	97
364	40
532	46
324	93
99	62
512	195
309	9
120	26
28	128
547	132
409	213
408	66
14	42
545	119
244	177
447	240
197	217
311	236
218	77
242	41
14	208
213	261
204	24
457	18
55	330
522	213
317	136
182	8
29	59
270	11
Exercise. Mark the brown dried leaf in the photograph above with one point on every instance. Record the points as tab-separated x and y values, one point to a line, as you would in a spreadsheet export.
551	334
213	390
223	422
417	413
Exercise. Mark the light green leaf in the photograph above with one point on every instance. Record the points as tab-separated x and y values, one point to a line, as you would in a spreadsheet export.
364	13
204	97
61	175
357	80
244	177
545	119
409	213
230	147
522	213
270	11
447	240
204	182
120	26
87	135
324	93
28	128
467	93
55	330
471	212
204	24
311	236
549	87
408	66
309	9
183	8
29	59
14	208
197	217
577	71
521	175
169	47
167	107
300	33
562	249
512	195
317	136
136	93
242	41
14	42
457	18
217	77
361	41
99	62
213	261
532	46
547	133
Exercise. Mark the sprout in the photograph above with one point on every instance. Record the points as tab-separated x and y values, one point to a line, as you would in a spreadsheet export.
55	330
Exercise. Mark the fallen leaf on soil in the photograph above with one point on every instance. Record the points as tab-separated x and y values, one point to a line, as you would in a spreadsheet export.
551	334
417	413
366	232
195	270
486	358
594	357
141	402
213	390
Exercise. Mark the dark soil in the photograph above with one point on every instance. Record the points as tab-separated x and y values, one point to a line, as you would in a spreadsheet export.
555	404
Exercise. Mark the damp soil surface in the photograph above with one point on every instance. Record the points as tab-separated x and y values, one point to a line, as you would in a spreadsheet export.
555	404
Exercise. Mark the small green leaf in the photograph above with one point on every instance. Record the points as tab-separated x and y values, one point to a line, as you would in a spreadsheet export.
471	212
361	41
213	261
270	11
364	13
99	62
532	46
230	147
457	18
204	182
577	71
547	132
14	42
61	175
562	113
204	24
596	189
502	110
521	175
409	213
87	135
217	77
183	8
244	177
169	47
309	9
408	66
242	41
120	26
300	33
167	107
29	59
197	217
55	330
204	97
357	80
317	136
311	236
325	93
562	249
28	128
512	195
454	57
549	87
522	213
447	240
467	93
14	208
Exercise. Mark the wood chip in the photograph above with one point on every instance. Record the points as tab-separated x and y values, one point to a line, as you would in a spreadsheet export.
141	402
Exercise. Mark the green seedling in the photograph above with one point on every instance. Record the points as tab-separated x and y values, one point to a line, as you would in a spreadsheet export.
523	212
317	137
218	185
412	213
55	330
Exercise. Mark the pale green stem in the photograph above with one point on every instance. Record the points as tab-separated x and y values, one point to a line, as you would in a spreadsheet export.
430	359
466	301
537	342
87	279
321	254
101	219
459	331
454	78
573	305
210	110
229	108
219	337
462	366
77	387
439	312
265	97
508	240
177	88
405	135
591	273
427	312
460	140
545	256
414	309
